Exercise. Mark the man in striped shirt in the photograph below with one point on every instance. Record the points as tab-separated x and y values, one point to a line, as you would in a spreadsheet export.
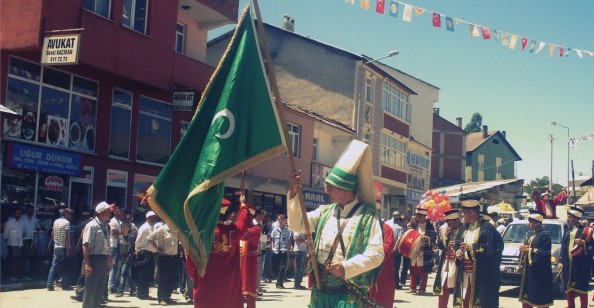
60	237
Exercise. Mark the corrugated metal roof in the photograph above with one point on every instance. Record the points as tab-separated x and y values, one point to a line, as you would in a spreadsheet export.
467	188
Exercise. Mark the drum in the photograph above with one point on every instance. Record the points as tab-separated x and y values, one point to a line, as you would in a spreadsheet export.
410	244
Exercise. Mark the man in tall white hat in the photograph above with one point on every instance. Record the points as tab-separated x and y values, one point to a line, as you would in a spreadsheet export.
350	186
478	249
575	258
447	269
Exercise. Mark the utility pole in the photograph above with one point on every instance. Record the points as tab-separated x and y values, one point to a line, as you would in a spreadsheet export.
551	138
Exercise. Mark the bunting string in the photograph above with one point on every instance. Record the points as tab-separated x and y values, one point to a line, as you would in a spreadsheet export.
585	137
507	39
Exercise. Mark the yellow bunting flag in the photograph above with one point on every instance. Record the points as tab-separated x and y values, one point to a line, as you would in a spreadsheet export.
513	41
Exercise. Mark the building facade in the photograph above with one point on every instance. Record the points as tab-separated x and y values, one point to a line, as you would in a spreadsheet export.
489	156
101	126
448	161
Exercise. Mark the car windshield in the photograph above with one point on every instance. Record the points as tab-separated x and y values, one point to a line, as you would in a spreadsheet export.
517	233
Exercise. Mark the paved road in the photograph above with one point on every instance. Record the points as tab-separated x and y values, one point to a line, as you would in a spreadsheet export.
273	298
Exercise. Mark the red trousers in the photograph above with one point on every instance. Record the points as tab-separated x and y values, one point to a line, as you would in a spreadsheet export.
445	297
571	295
416	273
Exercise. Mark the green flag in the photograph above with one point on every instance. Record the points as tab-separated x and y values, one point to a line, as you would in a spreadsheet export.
235	127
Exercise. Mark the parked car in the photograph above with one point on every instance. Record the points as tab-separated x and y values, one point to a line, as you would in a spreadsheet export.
514	236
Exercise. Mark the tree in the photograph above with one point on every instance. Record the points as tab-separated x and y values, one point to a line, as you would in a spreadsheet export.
542	183
475	124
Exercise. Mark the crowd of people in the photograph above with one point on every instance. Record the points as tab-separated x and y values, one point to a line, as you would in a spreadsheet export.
358	260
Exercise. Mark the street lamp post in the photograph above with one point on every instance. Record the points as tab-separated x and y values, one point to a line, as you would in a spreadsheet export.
561	125
390	54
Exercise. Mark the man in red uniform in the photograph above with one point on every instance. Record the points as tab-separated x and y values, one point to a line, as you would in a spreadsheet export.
545	204
221	284
249	259
383	289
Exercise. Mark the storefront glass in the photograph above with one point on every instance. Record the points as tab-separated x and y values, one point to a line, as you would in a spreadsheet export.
58	109
154	131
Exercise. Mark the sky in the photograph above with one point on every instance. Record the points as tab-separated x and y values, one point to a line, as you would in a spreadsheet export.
515	91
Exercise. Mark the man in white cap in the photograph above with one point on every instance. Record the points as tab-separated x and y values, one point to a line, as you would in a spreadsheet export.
447	269
478	250
536	287
96	257
144	247
350	219
422	265
575	258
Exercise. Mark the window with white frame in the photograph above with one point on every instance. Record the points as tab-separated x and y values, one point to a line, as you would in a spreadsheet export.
154	131
121	115
294	136
395	102
393	152
368	90
117	184
52	106
315	149
99	7
135	15
180	38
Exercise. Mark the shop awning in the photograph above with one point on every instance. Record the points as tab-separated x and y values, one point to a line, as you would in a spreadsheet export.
6	110
467	188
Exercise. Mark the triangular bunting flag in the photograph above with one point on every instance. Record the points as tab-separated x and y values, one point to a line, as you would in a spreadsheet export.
551	50
394	8
504	39
567	52
350	1
419	11
579	53
450	24
458	21
541	45
524	42
495	35
407	14
380	6
474	32
513	41
365	4
486	33
532	46
560	51
437	20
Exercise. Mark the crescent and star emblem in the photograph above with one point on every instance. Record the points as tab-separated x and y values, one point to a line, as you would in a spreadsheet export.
226	114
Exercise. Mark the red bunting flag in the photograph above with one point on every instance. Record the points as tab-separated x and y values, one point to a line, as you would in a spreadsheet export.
524	42
436	20
380	6
486	33
560	51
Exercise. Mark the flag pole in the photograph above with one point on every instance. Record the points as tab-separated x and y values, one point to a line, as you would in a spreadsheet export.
278	102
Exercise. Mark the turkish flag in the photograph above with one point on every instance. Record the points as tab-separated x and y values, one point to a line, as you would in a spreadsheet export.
437	20
486	33
560	51
524	42
379	6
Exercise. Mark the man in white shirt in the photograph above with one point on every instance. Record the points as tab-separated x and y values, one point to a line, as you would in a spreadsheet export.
115	225
61	236
31	227
166	243
14	230
143	246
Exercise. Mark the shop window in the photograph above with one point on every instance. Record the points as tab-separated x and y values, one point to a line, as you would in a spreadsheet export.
81	190
141	185
135	15
154	131
117	183
52	195
99	7
121	114
294	137
61	110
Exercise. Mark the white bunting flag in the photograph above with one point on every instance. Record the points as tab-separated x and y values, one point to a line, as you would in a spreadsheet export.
541	45
407	14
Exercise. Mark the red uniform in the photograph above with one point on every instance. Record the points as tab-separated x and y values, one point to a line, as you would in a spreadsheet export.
221	284
541	204
383	290
249	264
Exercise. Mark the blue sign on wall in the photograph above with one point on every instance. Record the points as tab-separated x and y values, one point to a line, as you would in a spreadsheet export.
314	199
42	159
